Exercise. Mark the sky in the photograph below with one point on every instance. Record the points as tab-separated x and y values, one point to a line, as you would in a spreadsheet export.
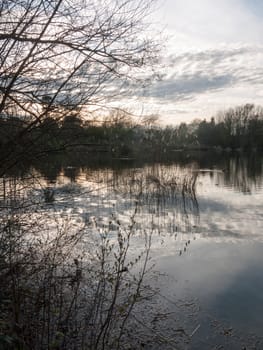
213	58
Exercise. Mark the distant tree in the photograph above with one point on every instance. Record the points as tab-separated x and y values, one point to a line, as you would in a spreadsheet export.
243	126
150	120
118	118
182	134
206	133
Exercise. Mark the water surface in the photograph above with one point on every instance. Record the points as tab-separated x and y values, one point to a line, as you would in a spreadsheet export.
205	217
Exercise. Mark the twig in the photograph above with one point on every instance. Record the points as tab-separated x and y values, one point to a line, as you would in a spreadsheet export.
195	330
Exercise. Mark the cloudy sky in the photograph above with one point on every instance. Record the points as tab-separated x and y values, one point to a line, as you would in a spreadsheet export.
213	59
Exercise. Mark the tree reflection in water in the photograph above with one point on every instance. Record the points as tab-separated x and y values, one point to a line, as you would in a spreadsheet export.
161	199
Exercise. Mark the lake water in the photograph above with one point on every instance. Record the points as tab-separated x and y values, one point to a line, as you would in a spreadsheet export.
205	215
222	268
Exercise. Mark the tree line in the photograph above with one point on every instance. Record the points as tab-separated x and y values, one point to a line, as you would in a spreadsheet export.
239	128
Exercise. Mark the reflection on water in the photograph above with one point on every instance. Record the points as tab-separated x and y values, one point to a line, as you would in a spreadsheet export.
242	174
208	197
205	215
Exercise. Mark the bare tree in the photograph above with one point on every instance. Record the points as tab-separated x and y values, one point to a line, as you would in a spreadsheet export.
150	120
56	56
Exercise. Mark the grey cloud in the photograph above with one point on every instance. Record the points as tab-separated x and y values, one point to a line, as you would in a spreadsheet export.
192	74
184	87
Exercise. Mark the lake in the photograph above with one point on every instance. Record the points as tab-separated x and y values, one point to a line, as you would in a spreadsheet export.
204	214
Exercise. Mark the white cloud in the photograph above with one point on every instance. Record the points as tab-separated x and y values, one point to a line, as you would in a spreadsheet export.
198	76
213	60
207	23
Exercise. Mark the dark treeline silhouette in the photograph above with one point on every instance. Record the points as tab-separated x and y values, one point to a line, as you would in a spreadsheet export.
239	128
